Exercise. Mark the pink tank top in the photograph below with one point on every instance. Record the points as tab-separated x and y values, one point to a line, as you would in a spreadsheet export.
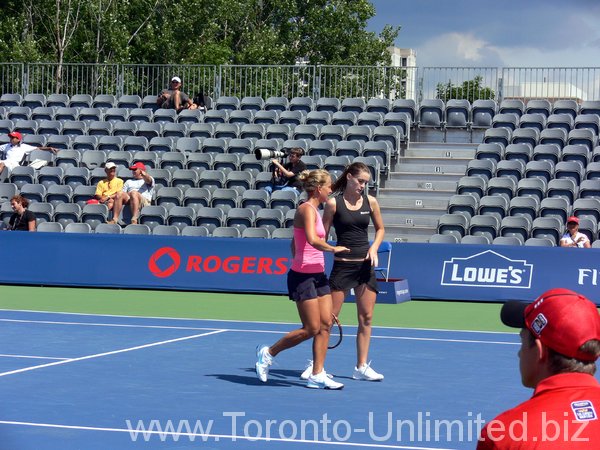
308	259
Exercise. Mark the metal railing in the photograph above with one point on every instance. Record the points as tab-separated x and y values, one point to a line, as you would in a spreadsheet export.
578	83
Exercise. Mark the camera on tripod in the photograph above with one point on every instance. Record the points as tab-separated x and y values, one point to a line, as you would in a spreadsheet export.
266	153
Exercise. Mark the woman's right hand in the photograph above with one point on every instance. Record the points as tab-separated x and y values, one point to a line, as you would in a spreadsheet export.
340	249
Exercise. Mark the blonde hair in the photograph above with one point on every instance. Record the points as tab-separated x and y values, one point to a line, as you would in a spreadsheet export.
312	179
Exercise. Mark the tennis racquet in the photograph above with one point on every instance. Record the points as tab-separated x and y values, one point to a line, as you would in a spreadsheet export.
336	334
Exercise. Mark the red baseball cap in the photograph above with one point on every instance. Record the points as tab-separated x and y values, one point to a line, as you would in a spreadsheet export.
562	319
573	219
15	134
138	165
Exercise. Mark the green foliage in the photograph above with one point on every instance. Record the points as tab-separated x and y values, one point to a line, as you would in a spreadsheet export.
252	32
469	90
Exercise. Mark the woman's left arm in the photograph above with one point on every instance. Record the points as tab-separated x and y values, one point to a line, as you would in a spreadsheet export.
379	230
31	224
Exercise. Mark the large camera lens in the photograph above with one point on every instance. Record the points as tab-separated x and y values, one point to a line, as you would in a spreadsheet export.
265	153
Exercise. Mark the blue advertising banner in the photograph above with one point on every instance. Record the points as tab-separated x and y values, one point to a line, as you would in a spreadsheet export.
433	271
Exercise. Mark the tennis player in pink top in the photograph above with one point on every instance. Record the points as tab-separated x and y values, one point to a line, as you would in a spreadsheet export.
308	285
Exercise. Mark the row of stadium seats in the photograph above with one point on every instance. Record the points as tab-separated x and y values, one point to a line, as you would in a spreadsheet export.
477	111
520	228
19	114
181	217
103	130
165	230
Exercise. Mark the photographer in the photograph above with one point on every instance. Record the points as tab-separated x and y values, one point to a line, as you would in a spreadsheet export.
285	176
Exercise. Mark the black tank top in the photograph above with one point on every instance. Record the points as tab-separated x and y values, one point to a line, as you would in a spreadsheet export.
351	227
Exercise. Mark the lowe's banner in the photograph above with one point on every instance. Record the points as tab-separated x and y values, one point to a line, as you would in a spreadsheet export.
433	271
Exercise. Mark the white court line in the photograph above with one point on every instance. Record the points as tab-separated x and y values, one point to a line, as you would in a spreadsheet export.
244	321
217	437
2	355
117	325
249	330
114	352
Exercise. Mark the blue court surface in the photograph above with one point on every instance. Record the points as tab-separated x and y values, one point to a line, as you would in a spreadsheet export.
112	382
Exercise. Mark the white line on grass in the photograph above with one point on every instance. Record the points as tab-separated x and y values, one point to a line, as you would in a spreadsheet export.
243	321
217	437
114	352
3	355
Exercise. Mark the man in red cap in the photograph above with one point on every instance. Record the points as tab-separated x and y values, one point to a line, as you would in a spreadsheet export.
572	237
137	193
560	342
12	154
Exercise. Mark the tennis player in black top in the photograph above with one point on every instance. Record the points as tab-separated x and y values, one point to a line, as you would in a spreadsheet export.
350	212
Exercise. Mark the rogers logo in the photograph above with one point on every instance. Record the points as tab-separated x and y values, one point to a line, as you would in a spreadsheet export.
158	254
214	263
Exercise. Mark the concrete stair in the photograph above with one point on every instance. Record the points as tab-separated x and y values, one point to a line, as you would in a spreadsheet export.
418	187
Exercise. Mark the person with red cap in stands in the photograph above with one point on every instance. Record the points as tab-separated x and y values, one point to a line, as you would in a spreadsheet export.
12	154
560	343
572	237
137	193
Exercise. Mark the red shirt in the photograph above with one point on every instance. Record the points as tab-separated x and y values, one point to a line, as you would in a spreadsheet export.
561	415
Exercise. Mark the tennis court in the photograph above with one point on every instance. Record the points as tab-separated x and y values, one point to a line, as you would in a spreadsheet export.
128	381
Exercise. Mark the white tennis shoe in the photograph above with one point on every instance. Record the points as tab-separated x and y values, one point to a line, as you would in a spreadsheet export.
263	361
322	381
366	373
309	370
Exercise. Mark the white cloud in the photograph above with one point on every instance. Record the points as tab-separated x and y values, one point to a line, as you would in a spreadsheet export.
457	50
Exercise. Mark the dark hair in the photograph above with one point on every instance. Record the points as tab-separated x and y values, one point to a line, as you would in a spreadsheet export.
353	169
296	151
21	200
560	363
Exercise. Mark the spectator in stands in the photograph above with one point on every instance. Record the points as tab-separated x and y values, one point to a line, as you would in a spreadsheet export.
572	237
137	193
285	176
174	97
22	219
560	343
12	154
202	101
108	188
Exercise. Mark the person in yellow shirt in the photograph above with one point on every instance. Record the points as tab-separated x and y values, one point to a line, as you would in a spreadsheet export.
107	189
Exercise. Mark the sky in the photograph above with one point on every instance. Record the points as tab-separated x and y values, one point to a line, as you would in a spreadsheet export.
505	33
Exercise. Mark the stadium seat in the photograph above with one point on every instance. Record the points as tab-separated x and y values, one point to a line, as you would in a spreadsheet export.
78	228
94	214
526	206
443	239
125	129
304	104
484	225
512	106
104	101
240	218
454	224
476	240
493	151
251	104
278	104
483	112
507	240
266	117
538	106
137	228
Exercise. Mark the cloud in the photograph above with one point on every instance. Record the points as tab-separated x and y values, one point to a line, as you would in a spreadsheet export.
457	50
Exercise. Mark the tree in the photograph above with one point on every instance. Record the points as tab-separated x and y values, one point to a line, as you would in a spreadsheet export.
469	90
273	32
